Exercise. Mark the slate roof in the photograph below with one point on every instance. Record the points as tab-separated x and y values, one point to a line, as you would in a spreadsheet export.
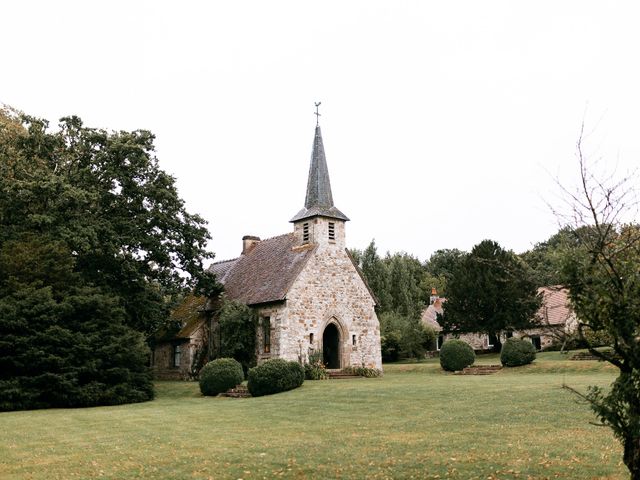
266	273
188	315
319	200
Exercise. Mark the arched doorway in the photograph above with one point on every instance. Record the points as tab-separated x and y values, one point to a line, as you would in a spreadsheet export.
331	346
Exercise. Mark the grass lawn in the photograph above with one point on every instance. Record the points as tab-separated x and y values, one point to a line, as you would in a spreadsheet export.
415	422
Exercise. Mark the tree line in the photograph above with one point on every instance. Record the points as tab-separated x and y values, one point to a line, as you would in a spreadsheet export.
489	290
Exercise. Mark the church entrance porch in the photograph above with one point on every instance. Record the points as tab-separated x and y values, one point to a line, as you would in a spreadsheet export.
331	347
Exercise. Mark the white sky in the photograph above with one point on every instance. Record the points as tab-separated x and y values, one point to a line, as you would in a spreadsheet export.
444	123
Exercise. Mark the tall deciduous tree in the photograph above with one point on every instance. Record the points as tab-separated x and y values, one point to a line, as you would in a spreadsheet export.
94	242
490	291
406	281
545	258
376	273
602	271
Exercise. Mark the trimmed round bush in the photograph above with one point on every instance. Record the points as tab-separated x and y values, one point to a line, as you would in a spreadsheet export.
456	355
220	375
274	376
516	352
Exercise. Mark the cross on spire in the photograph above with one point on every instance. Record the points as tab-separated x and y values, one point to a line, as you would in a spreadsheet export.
317	114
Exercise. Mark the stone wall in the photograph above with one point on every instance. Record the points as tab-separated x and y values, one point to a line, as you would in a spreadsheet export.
328	290
163	357
480	341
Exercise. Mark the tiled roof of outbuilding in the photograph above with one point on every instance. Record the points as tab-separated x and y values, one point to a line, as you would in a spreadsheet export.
555	309
266	273
430	314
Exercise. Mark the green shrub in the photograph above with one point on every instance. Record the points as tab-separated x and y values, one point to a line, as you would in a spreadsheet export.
238	324
516	352
390	346
456	355
364	371
220	375
315	369
404	337
274	376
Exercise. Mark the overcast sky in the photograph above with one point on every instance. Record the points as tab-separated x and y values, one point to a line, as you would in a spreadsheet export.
444	123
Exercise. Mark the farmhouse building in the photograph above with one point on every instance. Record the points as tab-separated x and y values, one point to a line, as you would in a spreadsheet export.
305	287
555	320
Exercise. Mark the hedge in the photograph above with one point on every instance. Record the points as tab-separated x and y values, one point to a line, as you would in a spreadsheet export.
516	352
274	376
220	375
456	355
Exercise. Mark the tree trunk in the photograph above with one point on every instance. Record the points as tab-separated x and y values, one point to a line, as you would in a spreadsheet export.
497	343
631	456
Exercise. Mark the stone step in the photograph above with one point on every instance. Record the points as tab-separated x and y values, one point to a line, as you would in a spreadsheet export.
480	370
583	356
167	374
339	375
241	391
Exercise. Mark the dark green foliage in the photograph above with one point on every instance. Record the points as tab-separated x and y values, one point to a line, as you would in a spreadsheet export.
408	293
545	258
94	244
220	375
601	271
595	338
441	267
376	273
601	268
491	291
104	196
315	369
364	371
238	333
390	344
456	355
274	376
404	337
63	344
516	352
398	281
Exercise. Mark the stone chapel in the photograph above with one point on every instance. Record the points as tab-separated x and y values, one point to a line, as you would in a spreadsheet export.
306	289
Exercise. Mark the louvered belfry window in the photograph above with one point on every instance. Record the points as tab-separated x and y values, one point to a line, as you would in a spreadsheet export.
305	232
332	231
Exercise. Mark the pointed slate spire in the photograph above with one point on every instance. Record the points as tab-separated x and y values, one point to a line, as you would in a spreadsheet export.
319	200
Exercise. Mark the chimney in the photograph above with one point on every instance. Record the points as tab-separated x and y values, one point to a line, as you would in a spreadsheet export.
434	296
248	243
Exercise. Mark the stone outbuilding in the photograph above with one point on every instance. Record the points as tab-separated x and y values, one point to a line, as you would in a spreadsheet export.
556	320
306	289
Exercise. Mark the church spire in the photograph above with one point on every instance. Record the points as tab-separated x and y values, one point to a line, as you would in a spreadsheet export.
319	200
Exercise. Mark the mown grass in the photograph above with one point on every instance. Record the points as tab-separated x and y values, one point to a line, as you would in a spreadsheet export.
415	422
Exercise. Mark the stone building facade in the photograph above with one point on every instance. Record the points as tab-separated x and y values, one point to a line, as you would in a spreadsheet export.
556	320
308	292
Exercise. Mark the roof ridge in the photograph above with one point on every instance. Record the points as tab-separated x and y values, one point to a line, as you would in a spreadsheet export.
277	236
224	261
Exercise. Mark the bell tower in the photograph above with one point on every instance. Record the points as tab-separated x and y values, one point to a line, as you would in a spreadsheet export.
319	222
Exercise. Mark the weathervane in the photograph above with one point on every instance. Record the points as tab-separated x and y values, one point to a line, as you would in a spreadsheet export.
317	114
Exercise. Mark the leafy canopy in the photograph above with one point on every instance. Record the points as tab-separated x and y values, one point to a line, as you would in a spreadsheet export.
104	196
491	290
94	243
